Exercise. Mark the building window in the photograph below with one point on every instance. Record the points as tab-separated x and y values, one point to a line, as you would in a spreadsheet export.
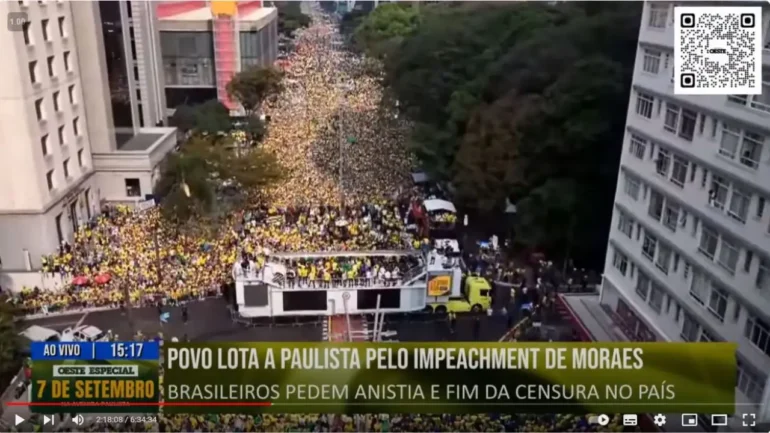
27	34
760	207
751	149
762	282
700	287
39	111
638	144
687	126
651	62
76	126
44	144
62	32
706	337
625	224
642	285
49	180
728	255
46	36
631	186
67	66
56	106
57	222
132	188
33	72
671	215
71	93
701	123
656	297
649	245
749	144
671	121
51	69
655	208
66	167
718	303
60	132
718	192
644	105
750	383
728	146
679	173
663	161
747	261
80	158
739	204
690	328
758	332
620	261
658	15
664	258
708	242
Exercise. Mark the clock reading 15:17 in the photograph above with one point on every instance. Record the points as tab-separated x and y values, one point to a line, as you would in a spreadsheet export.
127	350
16	21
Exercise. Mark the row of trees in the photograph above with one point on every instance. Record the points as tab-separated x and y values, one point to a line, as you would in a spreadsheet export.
520	101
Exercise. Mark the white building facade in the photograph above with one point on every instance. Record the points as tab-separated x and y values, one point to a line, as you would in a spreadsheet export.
689	247
56	129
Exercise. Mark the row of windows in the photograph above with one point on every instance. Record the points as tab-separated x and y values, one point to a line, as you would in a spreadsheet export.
704	290
732	198
50	176
735	143
34	76
674	216
711	297
45	25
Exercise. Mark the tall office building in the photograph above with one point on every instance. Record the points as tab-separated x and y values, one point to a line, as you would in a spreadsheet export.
203	44
689	247
61	156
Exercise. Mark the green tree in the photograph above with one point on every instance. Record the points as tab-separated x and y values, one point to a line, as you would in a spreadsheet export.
519	101
291	17
10	343
184	118
254	85
385	28
212	118
191	178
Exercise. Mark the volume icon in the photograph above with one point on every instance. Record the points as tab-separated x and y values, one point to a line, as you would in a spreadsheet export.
79	419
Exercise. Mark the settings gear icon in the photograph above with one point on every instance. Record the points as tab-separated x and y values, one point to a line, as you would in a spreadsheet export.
659	420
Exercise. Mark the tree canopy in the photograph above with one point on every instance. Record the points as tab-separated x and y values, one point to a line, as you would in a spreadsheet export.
254	85
290	17
10	343
193	179
519	101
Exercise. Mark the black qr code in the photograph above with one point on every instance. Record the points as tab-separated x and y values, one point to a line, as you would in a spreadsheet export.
718	50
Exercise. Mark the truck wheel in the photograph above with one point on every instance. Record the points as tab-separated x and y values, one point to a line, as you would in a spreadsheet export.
440	309
476	309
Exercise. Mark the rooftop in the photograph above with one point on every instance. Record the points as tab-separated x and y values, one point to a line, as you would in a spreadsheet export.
137	142
204	14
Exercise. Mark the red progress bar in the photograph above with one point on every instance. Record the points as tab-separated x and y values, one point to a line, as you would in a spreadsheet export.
123	404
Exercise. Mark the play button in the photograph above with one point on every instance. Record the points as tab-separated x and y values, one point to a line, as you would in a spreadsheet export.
603	420
47	420
19	420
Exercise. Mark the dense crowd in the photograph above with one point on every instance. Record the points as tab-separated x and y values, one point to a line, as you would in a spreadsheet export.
327	102
332	114
357	271
341	143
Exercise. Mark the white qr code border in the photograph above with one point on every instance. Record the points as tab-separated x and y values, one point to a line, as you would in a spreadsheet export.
693	55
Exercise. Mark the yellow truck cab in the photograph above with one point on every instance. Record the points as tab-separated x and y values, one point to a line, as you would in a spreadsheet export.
475	298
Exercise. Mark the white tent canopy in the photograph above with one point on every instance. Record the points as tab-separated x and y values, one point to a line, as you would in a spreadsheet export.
434	205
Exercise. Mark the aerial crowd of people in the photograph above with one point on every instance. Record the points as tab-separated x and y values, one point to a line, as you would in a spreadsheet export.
348	171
